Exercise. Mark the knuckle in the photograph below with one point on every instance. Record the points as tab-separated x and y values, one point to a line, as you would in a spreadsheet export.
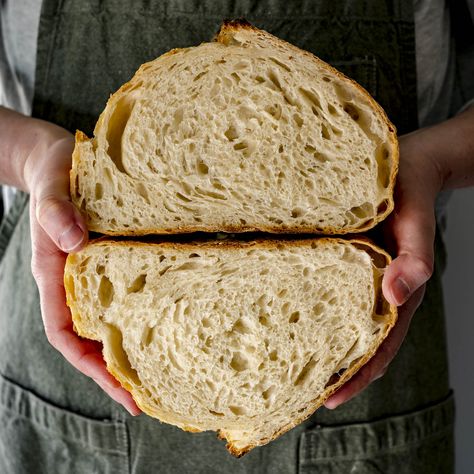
425	266
47	207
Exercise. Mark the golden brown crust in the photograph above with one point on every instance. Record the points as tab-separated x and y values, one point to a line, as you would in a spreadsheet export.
266	243
227	29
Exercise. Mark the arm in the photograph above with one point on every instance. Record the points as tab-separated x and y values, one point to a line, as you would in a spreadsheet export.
431	159
35	156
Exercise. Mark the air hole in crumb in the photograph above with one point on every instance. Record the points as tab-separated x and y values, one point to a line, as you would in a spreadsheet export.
148	335
364	210
236	77
284	66
282	293
295	317
202	168
382	207
321	157
241	327
273	356
318	309
239	362
274	110
296	212
231	133
240	146
268	392
106	292
305	372
138	284
332	380
115	130
263	320
183	197
99	191
292	336
326	79
196	78
216	413
310	98
352	111
299	121
332	110
325	132
274	79
237	410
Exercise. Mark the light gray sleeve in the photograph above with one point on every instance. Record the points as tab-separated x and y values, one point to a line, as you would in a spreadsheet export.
19	20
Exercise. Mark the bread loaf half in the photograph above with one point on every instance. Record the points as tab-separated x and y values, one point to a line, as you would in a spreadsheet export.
244	133
247	338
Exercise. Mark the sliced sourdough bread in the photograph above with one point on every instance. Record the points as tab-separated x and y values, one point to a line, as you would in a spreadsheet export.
247	338
244	133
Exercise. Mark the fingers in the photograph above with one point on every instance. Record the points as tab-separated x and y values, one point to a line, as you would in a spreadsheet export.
48	268
414	231
410	232
86	357
61	221
378	364
49	184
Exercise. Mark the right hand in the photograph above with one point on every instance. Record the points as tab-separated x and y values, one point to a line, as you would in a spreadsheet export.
58	228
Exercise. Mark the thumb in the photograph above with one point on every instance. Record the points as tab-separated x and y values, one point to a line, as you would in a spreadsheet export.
412	228
60	219
54	211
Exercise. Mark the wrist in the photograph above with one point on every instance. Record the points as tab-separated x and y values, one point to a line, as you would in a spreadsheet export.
450	146
421	159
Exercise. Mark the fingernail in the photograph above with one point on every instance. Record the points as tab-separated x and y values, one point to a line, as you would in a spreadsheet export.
400	290
71	238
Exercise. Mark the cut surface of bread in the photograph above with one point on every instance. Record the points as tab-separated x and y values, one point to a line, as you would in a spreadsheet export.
247	338
244	133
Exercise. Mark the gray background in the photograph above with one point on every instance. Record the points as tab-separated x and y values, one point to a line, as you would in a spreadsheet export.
459	303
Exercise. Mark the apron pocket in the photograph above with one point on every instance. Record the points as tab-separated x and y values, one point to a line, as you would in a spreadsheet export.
36	436
418	442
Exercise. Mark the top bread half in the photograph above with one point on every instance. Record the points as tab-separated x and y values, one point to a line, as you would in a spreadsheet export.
245	133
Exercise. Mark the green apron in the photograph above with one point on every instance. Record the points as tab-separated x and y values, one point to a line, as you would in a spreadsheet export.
53	419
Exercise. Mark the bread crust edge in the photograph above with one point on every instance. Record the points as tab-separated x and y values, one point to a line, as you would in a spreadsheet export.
237	244
227	28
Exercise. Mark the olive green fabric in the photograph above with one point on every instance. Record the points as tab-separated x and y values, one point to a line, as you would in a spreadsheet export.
54	419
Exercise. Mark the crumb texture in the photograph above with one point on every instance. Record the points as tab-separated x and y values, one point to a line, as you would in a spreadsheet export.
244	133
239	339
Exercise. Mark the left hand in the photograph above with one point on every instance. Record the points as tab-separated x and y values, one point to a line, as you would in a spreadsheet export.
409	234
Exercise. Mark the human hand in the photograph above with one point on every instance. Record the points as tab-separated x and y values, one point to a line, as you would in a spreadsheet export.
409	234
58	228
